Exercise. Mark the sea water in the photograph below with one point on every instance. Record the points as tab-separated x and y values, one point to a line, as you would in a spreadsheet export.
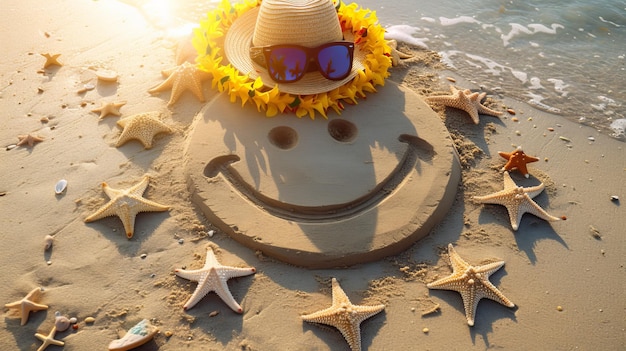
564	57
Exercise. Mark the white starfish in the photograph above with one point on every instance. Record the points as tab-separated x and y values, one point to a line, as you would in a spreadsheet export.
517	200
126	204
472	282
345	316
213	277
48	339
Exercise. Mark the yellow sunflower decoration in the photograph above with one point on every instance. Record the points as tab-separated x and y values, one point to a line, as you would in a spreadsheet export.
362	23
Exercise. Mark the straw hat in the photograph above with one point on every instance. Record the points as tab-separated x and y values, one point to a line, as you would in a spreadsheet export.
308	23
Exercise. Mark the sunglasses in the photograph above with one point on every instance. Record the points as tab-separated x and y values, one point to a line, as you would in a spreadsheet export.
289	63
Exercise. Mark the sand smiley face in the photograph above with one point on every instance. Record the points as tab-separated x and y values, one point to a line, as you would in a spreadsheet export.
324	193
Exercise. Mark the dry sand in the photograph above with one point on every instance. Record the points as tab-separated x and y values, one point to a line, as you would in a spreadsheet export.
95	271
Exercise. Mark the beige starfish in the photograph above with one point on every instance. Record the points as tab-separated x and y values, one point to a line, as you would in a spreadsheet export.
51	60
126	204
345	316
396	55
109	108
28	139
180	78
142	127
26	305
472	282
465	100
49	339
213	277
517	200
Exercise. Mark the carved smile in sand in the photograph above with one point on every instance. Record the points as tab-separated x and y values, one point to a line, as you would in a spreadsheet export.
324	193
285	138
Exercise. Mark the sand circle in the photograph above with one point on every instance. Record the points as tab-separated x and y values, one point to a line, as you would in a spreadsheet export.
326	192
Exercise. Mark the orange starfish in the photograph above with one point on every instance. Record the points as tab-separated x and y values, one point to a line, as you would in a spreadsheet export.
517	160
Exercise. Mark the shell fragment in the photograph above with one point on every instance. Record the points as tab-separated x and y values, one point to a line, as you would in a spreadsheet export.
60	186
138	335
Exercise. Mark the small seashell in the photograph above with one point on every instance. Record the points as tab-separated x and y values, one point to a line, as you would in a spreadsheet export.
73	320
614	198
86	88
591	139
107	75
143	256
48	239
564	138
89	320
511	111
136	336
425	330
11	147
450	79
60	186
211	233
168	334
75	326
62	323
181	241
214	313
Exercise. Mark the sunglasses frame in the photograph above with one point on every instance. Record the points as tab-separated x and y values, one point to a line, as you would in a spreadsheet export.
261	55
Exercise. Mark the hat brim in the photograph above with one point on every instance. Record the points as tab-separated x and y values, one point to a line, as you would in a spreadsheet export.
237	51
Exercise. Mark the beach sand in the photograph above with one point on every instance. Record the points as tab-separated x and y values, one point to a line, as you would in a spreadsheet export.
93	270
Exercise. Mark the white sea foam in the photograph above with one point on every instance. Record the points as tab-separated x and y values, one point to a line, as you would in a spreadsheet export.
609	22
533	28
536	100
404	33
461	19
559	86
619	127
608	100
535	84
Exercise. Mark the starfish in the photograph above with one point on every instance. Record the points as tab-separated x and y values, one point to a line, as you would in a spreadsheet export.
28	139
126	204
517	200
180	78
213	277
109	108
142	127
51	60
345	316
517	160
48	339
396	55
472	282
465	100
27	305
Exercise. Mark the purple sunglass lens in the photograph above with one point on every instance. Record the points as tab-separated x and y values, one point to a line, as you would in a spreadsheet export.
335	61
287	64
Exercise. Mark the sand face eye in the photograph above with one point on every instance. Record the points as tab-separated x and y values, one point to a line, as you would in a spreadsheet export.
342	130
283	137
